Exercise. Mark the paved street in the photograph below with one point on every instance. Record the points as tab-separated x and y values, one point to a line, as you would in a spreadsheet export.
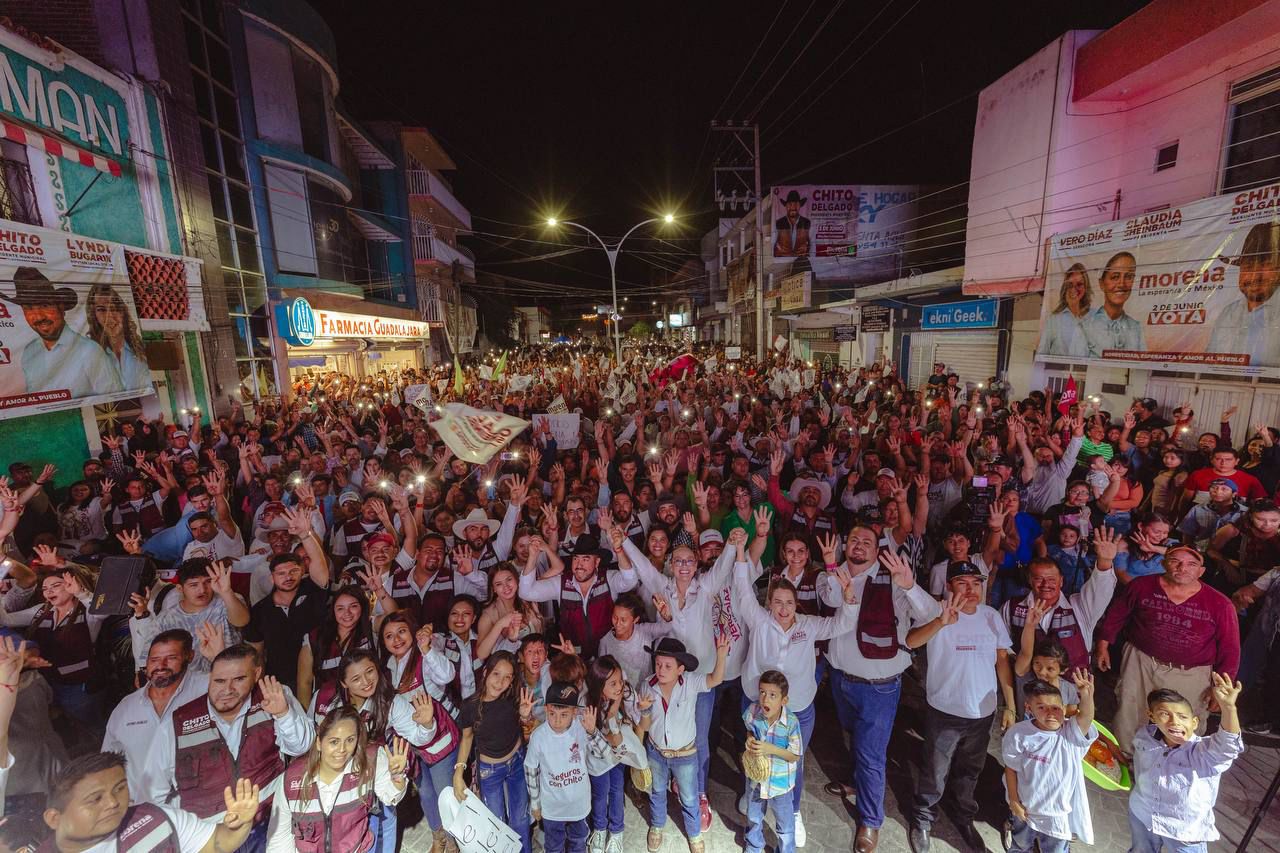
830	822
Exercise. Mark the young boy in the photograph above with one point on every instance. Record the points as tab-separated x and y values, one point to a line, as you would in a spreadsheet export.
1044	775
1176	772
555	770
772	732
668	701
1045	661
1072	557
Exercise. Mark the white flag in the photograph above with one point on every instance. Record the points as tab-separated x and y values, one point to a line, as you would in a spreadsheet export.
558	406
474	435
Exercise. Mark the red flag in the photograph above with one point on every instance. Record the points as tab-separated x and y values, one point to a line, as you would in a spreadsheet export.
1068	396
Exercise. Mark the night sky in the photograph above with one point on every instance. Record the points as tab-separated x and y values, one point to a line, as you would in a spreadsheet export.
599	111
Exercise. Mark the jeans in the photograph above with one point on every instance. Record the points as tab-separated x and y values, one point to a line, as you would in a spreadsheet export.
79	704
955	749
1025	839
257	840
607	799
866	713
503	791
729	690
432	780
686	772
705	710
805	718
564	836
1144	840
383	828
784	817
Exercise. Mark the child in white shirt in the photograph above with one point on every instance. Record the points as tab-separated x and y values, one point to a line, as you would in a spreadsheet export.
1044	773
555	770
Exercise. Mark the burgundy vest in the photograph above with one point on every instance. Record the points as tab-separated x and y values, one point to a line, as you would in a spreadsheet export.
585	622
144	829
823	522
346	826
433	607
1063	627
148	517
204	765
447	735
69	646
877	630
412	680
354	532
330	657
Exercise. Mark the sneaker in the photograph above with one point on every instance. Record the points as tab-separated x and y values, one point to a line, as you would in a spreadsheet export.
595	841
697	845
654	839
704	809
614	844
800	833
1006	834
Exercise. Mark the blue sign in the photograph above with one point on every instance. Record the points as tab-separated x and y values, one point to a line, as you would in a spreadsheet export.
973	314
297	322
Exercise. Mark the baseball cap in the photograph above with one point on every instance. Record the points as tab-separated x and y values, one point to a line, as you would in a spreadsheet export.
710	536
1001	459
381	537
562	694
349	497
1189	550
962	569
1223	481
179	433
887	472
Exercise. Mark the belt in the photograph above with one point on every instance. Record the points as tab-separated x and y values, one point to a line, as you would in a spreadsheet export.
860	680
683	752
1169	664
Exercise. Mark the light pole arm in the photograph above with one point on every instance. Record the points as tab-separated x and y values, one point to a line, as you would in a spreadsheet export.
594	235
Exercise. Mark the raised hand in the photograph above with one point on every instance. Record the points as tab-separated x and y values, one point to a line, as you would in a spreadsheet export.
241	804
1106	543
13	657
1224	690
139	604
662	606
424	710
829	544
564	646
519	490
220	577
900	569
464	559
398	760
425	637
644	702
759	482
700	494
273	699
1084	683
374	579
72	583
950	610
691	525
995	520
842	576
210	640
47	556
590	714
761	517
777	460
526	703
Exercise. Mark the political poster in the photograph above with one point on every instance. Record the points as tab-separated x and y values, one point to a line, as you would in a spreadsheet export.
1186	287
474	435
854	221
69	329
565	428
419	396
519	383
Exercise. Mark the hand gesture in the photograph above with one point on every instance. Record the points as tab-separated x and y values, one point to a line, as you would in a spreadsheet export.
374	579
299	521
761	518
1130	421
670	461
12	659
842	576
112	442
210	640
1039	610
399	758
1084	683
1106	543
662	606
759	482
829	544
139	604
644	702
273	699
424	710
900	569
691	525
564	646
995	520
1224	690
47	556
220	577
722	644
215	482
526	703
519	490
922	483
425	636
589	717
950	610
72	583
464	559
777	460
700	494
241	804
1228	412
738	540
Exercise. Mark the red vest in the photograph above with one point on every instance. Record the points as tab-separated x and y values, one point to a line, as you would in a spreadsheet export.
584	623
877	630
148	517
204	765
454	653
411	681
144	829
823	521
330	657
346	826
447	735
433	607
1063	627
354	532
69	646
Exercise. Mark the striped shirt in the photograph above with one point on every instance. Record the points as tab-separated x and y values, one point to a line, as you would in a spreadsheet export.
784	734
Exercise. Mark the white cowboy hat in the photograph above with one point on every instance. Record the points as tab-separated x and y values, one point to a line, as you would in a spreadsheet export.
476	516
823	487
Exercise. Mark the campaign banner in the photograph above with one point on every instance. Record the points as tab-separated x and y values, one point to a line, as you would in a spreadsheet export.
842	221
1183	287
69	329
519	383
419	396
565	428
474	435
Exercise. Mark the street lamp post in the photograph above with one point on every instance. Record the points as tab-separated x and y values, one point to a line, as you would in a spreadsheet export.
612	253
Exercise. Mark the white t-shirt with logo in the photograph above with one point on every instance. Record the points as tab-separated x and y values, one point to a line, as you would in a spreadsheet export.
558	762
1051	777
962	664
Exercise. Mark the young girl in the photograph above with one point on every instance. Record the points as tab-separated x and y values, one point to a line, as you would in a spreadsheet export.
346	628
608	692
506	614
1166	490
1142	553
491	721
627	641
307	815
1045	661
1073	558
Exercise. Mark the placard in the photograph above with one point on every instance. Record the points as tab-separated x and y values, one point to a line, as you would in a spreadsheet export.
473	826
565	428
846	333
474	435
419	396
875	318
732	353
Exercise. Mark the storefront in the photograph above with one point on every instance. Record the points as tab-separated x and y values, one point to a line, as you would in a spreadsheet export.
318	340
962	335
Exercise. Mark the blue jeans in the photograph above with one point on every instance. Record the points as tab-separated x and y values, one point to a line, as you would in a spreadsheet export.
564	836
866	712
257	840
729	691
431	781
79	704
805	718
1025	839
686	772
383	827
503	791
1146	841
607	803
784	817
705	710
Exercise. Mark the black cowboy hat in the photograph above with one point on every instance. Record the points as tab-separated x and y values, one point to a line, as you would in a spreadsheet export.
794	196
31	287
587	546
672	648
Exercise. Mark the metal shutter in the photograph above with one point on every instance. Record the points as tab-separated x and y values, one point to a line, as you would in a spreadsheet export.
971	356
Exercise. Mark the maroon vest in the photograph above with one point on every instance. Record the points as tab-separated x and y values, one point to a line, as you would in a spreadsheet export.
331	656
823	521
148	517
877	630
447	735
145	828
1063	627
453	652
69	646
411	680
585	622
204	765
354	532
346	826
433	607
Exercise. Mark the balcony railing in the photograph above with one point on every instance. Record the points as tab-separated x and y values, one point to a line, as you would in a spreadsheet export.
424	182
431	249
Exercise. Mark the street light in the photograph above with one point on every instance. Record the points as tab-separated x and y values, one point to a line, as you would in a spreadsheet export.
611	252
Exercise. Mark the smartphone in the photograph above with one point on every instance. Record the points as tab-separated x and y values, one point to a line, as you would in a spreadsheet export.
507	457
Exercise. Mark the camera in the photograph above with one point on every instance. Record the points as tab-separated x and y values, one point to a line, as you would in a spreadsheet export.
979	495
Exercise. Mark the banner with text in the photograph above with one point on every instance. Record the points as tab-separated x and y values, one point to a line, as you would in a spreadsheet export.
1191	286
474	435
868	222
69	331
565	428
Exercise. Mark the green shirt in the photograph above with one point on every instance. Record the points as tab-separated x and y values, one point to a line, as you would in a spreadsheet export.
733	520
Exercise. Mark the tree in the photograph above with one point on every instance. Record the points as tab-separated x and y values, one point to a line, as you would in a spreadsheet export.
640	330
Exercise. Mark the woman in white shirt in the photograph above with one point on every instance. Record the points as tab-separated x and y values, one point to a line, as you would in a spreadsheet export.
627	641
1064	327
341	782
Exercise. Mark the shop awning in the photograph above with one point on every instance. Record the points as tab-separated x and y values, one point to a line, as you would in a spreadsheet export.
1003	286
51	145
369	153
372	226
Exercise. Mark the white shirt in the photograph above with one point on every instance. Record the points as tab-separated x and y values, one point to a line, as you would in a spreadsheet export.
555	766
220	546
674	724
280	830
75	364
636	663
172	615
1175	789
912	606
1051	776
938	575
193	833
133	726
962	664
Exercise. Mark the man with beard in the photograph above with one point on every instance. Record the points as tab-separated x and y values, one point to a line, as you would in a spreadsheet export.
622	512
474	532
170	684
204	595
808	513
1248	325
429	583
244	726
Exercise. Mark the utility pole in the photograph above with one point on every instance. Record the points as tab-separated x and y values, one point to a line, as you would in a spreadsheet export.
731	178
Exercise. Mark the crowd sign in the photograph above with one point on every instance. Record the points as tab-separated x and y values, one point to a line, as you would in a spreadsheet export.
841	221
474	435
474	828
565	428
69	330
1191	285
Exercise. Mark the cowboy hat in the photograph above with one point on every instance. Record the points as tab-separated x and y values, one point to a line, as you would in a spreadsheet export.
672	648
476	516
823	487
794	196
31	287
586	546
1262	242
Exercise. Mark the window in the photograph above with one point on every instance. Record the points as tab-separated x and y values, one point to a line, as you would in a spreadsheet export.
1167	156
313	114
1253	135
17	193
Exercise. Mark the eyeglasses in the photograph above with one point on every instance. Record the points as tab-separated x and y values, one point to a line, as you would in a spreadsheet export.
684	563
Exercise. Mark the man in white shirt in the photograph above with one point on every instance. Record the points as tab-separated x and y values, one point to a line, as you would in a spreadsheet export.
969	651
204	595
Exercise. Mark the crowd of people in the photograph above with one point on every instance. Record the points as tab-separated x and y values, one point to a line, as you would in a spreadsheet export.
334	610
